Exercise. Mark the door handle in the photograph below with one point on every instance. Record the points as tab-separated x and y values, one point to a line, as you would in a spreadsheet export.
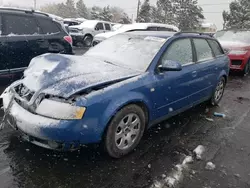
40	40
194	73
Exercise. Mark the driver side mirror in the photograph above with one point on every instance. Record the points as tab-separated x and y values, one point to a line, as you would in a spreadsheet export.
96	28
169	65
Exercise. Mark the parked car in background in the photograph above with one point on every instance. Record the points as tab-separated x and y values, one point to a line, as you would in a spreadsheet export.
70	22
237	44
116	90
24	35
133	27
116	26
85	32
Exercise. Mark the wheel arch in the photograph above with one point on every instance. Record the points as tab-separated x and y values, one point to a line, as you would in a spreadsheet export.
141	103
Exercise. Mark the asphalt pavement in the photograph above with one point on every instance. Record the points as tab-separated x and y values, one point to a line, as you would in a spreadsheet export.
156	160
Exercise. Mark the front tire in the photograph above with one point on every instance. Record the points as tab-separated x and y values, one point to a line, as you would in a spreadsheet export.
247	68
88	40
218	93
125	131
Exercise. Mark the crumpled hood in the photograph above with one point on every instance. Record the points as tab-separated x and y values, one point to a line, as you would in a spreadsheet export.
64	75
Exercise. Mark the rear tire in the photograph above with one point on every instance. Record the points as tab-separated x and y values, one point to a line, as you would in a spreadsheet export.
218	93
125	131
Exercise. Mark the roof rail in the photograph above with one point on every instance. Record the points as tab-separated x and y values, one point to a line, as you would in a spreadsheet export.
23	10
191	32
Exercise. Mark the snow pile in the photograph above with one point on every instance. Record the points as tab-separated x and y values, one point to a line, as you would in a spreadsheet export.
176	176
199	152
210	166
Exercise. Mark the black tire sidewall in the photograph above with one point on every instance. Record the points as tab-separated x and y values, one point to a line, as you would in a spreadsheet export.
213	101
110	145
247	66
88	37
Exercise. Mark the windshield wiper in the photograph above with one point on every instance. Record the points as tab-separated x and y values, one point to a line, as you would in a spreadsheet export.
110	63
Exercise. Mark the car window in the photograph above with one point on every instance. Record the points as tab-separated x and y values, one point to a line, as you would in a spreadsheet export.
0	25
164	29
179	51
20	25
152	28
48	26
107	27
99	26
203	50
216	47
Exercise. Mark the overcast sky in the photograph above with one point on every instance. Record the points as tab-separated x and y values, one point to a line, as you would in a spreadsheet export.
212	8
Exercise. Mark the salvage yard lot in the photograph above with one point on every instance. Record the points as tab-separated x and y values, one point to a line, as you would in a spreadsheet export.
226	141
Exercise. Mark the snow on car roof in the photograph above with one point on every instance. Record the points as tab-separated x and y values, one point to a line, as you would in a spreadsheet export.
89	24
145	26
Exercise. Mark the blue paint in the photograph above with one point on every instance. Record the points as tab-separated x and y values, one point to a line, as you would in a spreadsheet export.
163	94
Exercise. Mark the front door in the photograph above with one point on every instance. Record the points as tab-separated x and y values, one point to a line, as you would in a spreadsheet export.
175	89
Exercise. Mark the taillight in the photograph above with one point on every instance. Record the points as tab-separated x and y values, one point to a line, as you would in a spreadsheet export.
68	39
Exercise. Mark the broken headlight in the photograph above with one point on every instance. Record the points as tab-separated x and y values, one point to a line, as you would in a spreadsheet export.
60	110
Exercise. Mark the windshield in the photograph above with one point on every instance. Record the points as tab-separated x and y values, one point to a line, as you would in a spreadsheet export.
235	36
88	24
130	51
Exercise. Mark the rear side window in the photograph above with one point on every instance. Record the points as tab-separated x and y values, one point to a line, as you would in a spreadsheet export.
0	25
99	26
215	47
203	50
179	51
152	28
107	27
20	25
164	29
48	26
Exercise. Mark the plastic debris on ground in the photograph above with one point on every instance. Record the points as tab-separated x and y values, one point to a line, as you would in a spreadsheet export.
210	119
210	166
219	115
199	151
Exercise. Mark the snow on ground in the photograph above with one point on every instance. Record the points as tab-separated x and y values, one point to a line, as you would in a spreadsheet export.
199	152
210	166
175	176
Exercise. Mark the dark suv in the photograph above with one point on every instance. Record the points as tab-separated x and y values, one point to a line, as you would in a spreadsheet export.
25	34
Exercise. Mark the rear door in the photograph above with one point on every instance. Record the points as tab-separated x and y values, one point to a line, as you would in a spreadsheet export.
4	60
53	36
207	68
16	28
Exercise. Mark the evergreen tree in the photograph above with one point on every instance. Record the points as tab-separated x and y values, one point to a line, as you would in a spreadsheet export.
238	15
106	14
95	13
163	12
82	9
119	16
70	11
145	12
188	14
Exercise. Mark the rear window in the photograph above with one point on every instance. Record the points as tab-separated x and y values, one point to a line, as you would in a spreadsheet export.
216	48
20	25
165	29
152	29
48	26
107	27
203	50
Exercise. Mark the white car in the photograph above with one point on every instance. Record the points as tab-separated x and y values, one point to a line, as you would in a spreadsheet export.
85	32
133	27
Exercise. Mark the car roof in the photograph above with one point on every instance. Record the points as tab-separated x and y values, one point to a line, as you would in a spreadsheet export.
161	34
146	25
167	34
